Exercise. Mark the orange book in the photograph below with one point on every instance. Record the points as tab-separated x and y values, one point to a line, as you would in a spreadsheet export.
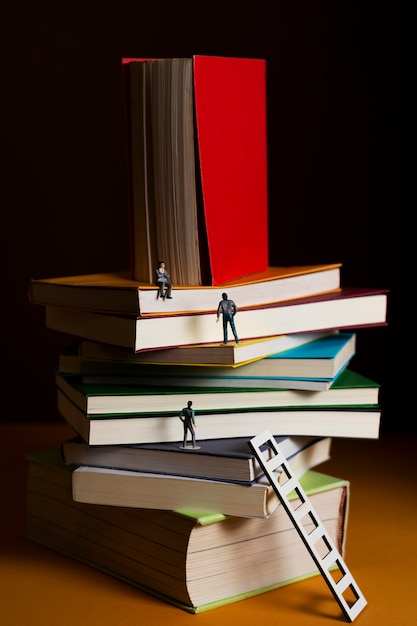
197	167
348	308
118	292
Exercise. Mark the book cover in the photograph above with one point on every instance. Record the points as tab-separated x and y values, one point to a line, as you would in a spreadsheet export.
348	308
117	292
216	172
324	358
216	459
193	560
231	382
349	389
311	370
356	422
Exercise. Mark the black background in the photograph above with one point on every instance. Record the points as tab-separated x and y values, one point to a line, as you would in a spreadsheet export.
334	142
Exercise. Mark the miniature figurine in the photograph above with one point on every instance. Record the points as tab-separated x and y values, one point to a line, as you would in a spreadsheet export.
187	417
162	280
229	309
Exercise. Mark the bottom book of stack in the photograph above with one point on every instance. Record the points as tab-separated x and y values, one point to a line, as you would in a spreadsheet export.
193	560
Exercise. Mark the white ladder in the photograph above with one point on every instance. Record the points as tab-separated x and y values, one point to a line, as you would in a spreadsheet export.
317	541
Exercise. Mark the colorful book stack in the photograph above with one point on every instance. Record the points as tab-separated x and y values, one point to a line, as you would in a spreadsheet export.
186	512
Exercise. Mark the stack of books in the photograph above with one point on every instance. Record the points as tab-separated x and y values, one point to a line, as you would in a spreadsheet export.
198	524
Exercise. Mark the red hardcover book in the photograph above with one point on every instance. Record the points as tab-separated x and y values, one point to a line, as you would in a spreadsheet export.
223	234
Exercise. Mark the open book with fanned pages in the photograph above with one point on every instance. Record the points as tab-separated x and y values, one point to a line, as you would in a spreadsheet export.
197	166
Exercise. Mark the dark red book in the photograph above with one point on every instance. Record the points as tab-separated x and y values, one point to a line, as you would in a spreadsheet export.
347	308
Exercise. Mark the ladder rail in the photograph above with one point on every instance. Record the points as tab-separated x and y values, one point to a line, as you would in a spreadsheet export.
306	511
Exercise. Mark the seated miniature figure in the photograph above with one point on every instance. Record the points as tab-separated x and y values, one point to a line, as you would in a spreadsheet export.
162	280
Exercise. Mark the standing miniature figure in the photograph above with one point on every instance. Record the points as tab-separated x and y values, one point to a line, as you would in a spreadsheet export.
162	280
188	419
229	309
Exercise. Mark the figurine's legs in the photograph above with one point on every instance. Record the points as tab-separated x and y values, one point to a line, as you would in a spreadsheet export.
224	328
232	325
193	436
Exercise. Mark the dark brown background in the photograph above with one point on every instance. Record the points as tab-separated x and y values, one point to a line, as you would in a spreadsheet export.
334	119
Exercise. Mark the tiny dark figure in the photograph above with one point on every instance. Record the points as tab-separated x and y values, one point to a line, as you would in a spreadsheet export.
188	420
162	280
229	309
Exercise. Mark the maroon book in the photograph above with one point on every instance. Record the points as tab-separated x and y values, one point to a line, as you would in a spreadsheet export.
348	308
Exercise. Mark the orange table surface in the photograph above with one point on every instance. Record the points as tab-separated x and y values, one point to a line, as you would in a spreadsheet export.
41	587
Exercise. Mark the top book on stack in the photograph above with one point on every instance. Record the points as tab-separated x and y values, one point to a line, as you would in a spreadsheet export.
197	167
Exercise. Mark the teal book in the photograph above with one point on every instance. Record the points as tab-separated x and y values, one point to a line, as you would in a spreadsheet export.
191	559
312	366
323	358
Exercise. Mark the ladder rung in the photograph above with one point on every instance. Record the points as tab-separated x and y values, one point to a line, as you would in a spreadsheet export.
315	534
344	583
303	510
275	462
330	559
289	486
354	610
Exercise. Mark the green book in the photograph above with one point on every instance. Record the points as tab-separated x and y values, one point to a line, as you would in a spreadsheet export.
191	559
356	422
349	389
105	414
